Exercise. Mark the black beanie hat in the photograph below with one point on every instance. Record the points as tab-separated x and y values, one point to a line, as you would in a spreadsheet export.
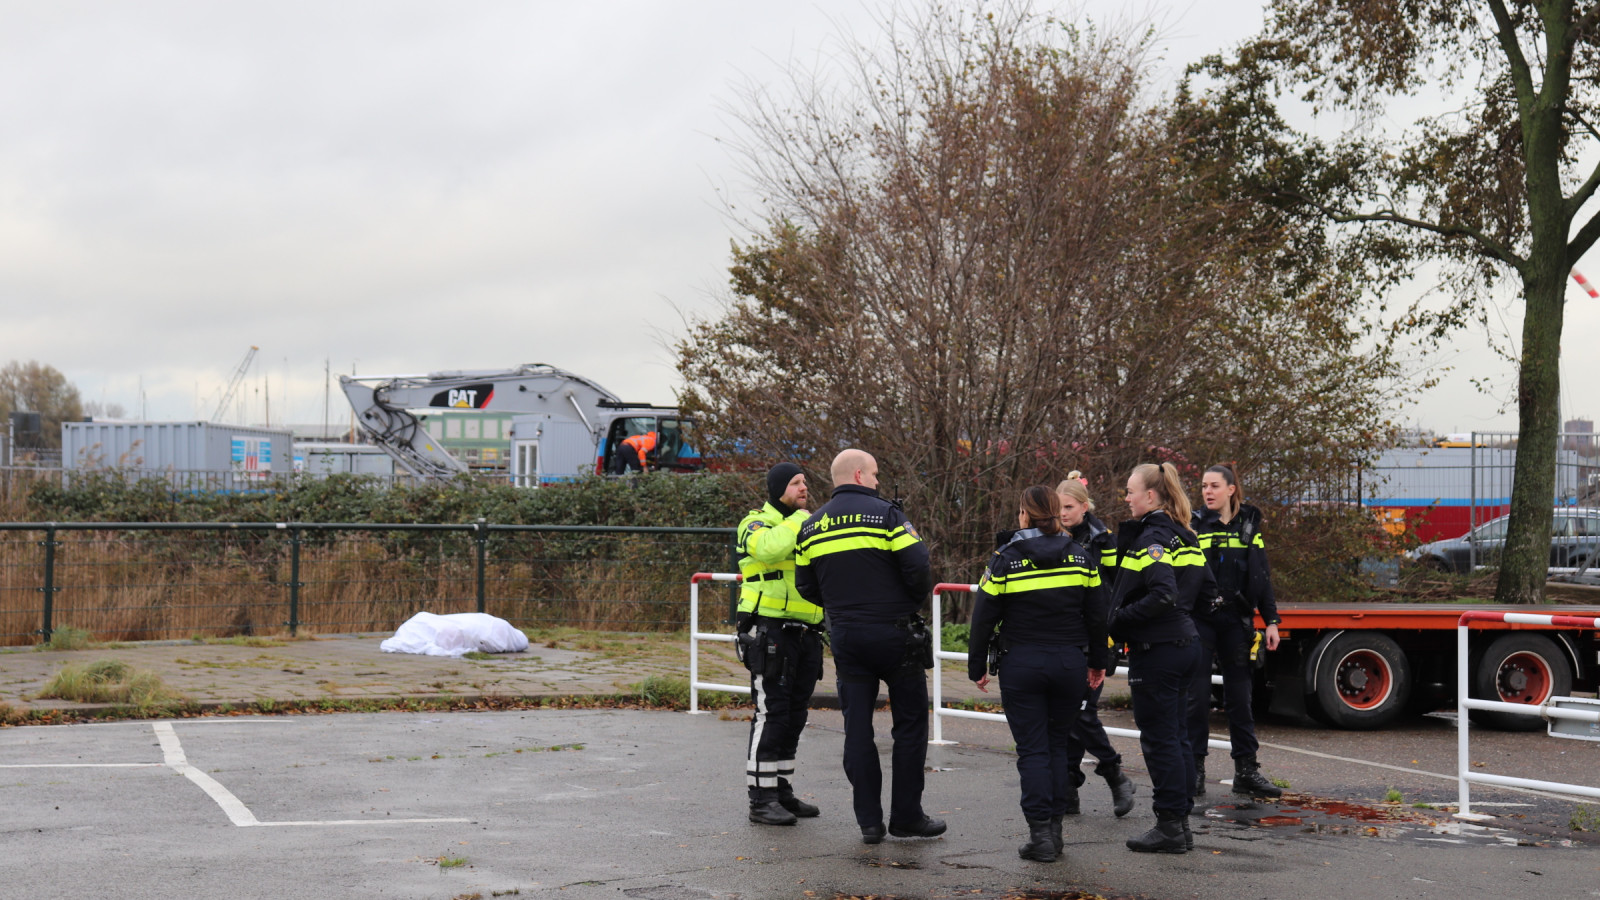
778	478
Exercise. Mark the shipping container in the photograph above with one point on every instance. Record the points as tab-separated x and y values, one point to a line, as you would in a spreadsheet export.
342	459
241	452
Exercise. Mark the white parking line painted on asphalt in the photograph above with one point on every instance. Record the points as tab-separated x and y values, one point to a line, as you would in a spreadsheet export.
237	812
83	766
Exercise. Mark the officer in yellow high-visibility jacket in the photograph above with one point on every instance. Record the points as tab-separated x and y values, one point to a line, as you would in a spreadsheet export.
780	641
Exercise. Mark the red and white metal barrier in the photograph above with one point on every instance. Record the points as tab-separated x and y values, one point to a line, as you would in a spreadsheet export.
939	653
696	636
1546	711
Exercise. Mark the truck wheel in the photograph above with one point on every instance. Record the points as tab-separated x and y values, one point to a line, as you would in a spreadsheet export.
1519	668
1363	681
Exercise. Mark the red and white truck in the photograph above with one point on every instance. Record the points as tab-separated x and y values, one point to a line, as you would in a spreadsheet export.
1361	665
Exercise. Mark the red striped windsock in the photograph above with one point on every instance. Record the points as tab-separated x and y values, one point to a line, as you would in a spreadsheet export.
1584	283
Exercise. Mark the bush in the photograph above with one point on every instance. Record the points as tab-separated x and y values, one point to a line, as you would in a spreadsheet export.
66	637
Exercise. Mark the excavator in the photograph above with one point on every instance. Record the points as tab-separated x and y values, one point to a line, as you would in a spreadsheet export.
562	425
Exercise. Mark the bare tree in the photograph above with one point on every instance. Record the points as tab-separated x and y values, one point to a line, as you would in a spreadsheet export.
988	259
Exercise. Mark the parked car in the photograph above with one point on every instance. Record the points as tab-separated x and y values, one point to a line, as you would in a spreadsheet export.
1574	540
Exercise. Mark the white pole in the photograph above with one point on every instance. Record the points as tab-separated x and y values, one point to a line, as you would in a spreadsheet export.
1463	801
694	646
938	672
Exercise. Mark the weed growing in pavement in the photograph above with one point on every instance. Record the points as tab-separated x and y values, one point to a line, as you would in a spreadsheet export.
1422	805
1584	818
475	895
1116	701
245	640
671	692
1282	782
451	862
66	637
973	704
511	893
477	654
1392	795
108	681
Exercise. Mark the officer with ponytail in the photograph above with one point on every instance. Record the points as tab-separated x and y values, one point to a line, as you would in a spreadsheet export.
1089	733
1161	574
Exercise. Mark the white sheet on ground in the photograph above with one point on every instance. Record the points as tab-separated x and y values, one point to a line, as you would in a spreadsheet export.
455	635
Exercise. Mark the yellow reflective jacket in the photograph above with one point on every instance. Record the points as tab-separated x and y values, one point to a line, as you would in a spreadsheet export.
766	560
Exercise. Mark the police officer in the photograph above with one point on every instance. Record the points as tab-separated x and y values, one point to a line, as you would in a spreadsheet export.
1043	590
1089	734
1161	572
780	642
1229	531
864	563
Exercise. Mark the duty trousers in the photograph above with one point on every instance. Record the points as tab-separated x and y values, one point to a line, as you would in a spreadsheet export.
1226	639
1042	688
863	656
782	697
1159	676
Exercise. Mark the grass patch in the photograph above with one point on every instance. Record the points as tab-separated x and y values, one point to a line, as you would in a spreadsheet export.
973	704
67	638
242	640
451	862
1283	783
1116	701
477	654
1584	818
672	692
1392	795
1422	806
108	681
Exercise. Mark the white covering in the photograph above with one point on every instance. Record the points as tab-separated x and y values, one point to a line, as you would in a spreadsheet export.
455	635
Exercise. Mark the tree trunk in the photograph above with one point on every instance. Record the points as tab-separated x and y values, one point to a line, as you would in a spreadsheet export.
1525	559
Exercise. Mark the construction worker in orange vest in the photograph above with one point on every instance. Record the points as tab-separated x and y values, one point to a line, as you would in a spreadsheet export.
635	448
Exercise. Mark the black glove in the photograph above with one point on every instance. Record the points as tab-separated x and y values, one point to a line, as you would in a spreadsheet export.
743	621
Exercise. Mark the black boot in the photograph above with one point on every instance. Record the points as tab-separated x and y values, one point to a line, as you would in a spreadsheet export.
1055	833
1071	800
1188	835
1166	837
1248	780
1121	788
1199	777
1040	846
793	804
766	810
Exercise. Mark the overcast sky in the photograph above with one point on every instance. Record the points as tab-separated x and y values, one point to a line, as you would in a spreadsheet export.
403	187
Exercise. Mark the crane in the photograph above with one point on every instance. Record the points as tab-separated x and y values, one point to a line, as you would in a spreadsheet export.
233	383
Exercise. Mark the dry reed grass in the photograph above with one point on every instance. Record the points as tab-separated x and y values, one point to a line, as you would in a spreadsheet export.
121	586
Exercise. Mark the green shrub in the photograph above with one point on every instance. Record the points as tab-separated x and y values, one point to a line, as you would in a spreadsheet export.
956	638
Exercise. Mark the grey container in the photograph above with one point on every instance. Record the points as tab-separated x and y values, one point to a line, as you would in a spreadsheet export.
342	459
243	453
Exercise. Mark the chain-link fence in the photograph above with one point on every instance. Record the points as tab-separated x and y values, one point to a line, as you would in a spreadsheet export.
143	581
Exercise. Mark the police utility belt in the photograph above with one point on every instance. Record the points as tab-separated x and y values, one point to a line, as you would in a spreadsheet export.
758	647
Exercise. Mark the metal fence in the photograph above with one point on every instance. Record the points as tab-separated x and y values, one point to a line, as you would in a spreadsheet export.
143	581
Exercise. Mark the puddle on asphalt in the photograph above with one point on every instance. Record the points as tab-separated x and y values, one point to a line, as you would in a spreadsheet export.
1315	816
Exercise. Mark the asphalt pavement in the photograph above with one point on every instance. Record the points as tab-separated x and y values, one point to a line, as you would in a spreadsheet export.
630	803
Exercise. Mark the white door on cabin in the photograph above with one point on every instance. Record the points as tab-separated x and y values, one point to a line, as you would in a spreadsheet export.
525	463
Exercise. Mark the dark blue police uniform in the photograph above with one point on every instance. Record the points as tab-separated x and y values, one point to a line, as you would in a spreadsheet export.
1237	557
866	566
1043	590
1161	572
1088	733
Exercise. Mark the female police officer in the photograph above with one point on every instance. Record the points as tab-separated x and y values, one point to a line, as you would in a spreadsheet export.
1161	572
1078	518
1043	590
1229	531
